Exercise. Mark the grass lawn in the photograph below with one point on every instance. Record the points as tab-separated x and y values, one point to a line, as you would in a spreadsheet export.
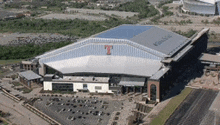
170	108
4	62
3	122
16	83
149	109
26	90
1	72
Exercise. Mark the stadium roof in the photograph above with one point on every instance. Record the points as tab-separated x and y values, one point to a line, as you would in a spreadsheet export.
160	42
160	73
108	64
131	83
124	32
153	37
137	50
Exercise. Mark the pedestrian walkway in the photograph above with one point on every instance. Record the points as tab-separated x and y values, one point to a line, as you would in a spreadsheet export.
128	107
155	111
19	114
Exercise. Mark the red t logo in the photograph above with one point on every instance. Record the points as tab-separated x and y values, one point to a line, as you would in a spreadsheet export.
108	47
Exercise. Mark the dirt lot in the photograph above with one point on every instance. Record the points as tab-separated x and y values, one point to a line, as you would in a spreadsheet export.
101	12
195	19
6	38
73	16
207	80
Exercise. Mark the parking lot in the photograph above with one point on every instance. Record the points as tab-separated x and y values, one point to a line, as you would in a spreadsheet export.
78	110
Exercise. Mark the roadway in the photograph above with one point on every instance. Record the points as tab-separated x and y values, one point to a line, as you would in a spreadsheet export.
19	114
194	108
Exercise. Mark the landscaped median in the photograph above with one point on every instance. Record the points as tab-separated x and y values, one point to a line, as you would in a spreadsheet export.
3	121
171	107
3	116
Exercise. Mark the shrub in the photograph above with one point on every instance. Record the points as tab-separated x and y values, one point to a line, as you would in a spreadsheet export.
142	6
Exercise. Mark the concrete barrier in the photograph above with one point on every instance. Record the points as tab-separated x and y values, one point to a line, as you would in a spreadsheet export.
11	96
41	114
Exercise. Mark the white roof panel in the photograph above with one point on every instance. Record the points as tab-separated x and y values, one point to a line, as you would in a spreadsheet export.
108	64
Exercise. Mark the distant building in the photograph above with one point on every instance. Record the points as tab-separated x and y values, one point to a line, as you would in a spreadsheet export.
27	14
112	5
206	7
29	65
44	7
25	6
127	58
211	62
77	84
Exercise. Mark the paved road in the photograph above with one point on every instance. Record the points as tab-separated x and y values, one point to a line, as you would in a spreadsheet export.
20	115
194	108
213	116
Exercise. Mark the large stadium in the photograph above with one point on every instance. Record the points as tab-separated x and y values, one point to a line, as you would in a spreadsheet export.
127	58
206	7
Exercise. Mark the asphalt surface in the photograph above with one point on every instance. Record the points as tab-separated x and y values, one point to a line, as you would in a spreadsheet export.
19	114
78	111
194	108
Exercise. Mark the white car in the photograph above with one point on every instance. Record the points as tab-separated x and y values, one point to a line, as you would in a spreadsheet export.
100	113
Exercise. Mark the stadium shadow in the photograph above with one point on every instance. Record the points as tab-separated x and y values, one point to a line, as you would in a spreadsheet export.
213	50
195	71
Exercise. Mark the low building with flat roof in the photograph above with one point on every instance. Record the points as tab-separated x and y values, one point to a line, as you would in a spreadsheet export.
211	62
29	77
